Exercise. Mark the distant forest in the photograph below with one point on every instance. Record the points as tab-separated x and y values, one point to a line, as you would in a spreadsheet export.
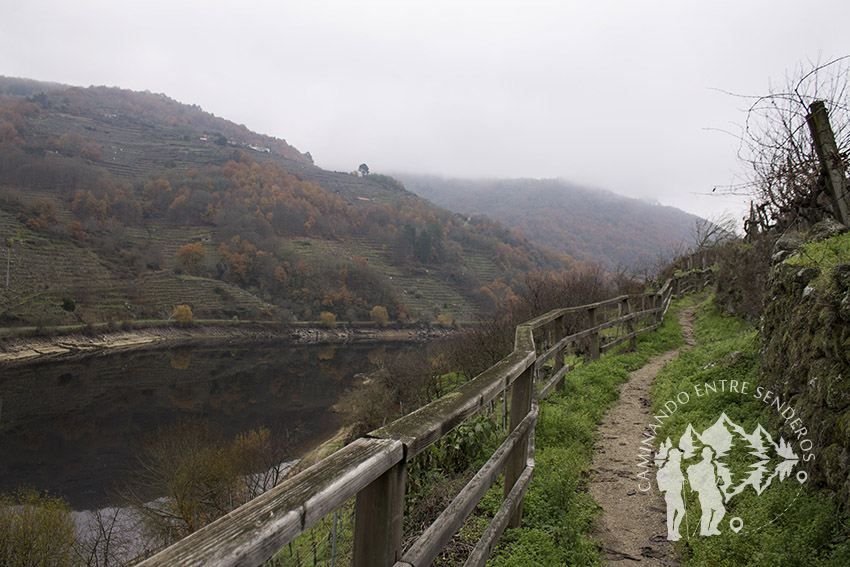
590	225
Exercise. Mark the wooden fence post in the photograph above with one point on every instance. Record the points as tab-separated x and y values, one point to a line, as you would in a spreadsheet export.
594	337
560	333
626	309
658	303
830	159
379	519
521	392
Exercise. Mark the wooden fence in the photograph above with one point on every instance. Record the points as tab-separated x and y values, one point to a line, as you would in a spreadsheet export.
373	468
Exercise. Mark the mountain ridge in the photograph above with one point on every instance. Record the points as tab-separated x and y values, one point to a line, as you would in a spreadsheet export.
590	225
121	205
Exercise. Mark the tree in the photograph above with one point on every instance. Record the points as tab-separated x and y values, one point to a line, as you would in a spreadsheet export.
711	232
183	315
260	457
190	256
42	213
363	169
35	529
105	539
75	229
776	145
379	316
327	319
184	479
156	194
188	475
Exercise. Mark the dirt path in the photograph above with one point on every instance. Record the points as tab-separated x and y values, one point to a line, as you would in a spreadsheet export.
633	525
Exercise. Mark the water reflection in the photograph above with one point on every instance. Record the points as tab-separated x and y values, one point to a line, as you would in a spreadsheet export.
73	427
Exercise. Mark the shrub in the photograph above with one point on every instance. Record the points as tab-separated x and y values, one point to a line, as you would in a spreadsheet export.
327	319
35	529
183	315
379	316
190	256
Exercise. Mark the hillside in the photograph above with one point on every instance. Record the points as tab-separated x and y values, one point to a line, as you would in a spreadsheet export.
589	225
121	205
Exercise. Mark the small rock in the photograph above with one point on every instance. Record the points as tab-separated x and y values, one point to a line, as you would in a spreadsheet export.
807	291
842	277
825	229
785	246
631	493
844	307
806	275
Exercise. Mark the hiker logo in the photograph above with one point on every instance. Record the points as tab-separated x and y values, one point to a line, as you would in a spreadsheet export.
718	464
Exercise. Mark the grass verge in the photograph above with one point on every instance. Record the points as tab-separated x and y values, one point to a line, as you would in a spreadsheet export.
789	523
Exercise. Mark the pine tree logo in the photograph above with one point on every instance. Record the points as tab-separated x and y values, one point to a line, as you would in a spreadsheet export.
701	461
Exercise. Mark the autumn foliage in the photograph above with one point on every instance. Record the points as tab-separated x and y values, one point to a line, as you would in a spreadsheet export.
249	204
190	256
379	316
183	315
327	319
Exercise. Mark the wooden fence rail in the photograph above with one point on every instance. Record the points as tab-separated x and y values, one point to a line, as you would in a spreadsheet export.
374	467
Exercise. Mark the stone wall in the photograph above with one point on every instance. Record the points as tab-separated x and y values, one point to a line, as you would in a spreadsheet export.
805	353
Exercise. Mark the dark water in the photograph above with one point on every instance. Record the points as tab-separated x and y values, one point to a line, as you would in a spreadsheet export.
74	428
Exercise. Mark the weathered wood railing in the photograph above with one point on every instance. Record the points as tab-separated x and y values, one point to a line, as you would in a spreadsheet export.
374	467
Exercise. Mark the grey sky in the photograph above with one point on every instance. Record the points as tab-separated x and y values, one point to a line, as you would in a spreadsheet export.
613	94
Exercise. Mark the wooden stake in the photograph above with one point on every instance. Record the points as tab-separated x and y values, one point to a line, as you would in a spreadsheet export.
830	160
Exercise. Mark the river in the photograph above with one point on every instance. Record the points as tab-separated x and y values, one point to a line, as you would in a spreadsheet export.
74	428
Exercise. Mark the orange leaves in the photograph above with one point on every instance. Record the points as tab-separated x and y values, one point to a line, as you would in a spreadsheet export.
156	195
332	298
85	204
190	256
239	257
290	206
75	229
8	133
239	264
183	315
42	213
281	275
210	213
303	269
327	319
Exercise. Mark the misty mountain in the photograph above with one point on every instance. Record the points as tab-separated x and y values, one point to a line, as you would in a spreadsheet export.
590	225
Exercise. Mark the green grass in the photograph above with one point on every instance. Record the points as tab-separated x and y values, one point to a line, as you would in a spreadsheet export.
558	511
789	523
826	255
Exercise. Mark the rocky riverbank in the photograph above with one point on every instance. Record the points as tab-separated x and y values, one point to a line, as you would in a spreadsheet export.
27	349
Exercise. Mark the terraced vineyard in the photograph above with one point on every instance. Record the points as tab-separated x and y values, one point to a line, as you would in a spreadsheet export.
422	289
147	175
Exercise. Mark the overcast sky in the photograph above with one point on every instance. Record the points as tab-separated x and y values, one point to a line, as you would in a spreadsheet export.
613	94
